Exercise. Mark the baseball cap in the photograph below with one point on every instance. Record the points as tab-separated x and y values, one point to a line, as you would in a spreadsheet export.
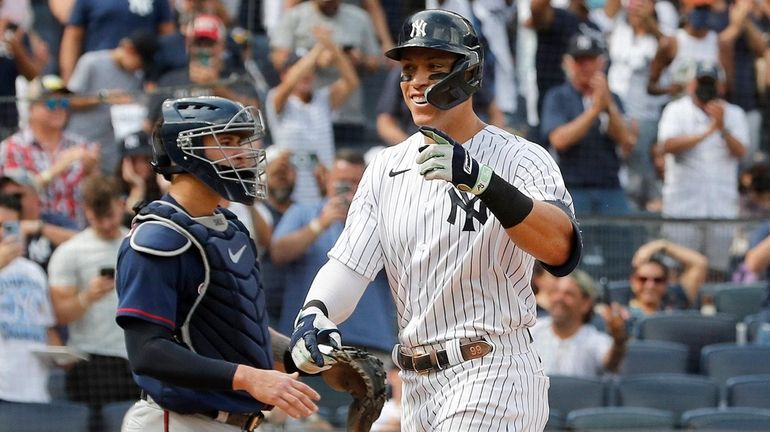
146	45
136	144
207	26
585	283
44	86
708	70
583	45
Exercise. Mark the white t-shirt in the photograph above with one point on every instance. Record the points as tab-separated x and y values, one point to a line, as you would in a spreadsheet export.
581	355
76	262
25	316
702	181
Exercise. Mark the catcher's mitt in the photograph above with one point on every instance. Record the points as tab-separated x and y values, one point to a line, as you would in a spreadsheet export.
363	376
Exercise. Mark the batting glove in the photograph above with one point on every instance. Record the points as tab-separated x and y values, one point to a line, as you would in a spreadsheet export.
448	160
314	337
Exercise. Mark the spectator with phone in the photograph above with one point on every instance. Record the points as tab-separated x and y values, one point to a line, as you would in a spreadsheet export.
703	138
566	341
206	72
43	230
27	320
297	109
301	241
82	283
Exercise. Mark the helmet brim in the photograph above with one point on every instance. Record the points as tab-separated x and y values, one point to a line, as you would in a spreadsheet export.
397	52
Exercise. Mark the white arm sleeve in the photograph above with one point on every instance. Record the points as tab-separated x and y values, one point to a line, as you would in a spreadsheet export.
339	288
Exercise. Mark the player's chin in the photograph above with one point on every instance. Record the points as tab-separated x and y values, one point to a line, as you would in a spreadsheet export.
424	115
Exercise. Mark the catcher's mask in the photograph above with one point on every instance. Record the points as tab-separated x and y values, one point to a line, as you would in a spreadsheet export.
230	162
445	31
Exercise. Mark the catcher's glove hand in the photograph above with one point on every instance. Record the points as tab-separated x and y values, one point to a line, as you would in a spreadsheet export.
363	376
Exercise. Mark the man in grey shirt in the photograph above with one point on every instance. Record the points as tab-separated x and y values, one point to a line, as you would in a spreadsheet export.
105	78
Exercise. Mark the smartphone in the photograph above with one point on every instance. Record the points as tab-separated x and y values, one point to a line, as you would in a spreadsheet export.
107	272
11	229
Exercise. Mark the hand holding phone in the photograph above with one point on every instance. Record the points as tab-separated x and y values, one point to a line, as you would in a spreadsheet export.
108	272
11	229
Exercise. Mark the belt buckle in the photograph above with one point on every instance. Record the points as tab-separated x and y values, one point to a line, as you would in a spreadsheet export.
422	371
253	422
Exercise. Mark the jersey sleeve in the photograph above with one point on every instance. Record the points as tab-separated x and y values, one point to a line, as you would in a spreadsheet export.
146	286
536	174
359	246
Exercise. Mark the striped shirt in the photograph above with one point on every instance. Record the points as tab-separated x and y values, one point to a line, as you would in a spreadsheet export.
452	269
305	129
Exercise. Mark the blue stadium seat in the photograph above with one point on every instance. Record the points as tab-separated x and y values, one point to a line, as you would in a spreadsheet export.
651	356
723	361
621	418
748	391
41	417
727	419
670	392
689	328
741	300
570	393
555	420
753	323
113	413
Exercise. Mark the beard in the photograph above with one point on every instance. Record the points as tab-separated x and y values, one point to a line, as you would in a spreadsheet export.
281	195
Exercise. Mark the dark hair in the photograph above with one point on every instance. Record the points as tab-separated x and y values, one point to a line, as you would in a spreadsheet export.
11	202
349	155
99	192
657	261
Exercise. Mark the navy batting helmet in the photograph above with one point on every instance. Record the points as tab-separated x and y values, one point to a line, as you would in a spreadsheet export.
445	31
234	169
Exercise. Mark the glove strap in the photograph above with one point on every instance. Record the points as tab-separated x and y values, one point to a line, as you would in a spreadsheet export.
482	183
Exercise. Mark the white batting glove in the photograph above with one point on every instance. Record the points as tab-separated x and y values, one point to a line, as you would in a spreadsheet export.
314	337
448	160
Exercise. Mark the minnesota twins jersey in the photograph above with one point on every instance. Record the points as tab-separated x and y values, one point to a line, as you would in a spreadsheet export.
452	269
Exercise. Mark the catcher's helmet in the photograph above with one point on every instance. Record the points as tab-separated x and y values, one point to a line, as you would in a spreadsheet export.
235	171
445	31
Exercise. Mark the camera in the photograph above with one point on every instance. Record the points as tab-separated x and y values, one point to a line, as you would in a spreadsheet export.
107	272
342	189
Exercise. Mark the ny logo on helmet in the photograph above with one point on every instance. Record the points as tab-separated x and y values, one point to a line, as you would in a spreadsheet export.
418	28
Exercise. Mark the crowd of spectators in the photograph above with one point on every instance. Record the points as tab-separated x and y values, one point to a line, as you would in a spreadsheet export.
650	107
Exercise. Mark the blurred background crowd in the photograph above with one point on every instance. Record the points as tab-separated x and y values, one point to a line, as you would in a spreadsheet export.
657	112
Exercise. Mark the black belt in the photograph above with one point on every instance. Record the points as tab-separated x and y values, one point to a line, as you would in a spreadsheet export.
247	422
436	360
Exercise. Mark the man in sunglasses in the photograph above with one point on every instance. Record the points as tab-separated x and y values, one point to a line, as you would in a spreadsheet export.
56	160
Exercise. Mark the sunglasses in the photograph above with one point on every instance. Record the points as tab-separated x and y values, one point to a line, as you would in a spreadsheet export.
645	279
53	103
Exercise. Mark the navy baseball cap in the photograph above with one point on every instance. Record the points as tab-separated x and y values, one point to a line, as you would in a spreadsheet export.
583	45
136	144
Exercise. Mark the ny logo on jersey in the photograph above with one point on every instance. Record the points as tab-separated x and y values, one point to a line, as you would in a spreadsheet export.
468	206
418	28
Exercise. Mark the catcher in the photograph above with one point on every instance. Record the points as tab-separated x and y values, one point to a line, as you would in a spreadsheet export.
190	301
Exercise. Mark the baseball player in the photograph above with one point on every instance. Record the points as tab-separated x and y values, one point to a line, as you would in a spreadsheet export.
457	214
191	303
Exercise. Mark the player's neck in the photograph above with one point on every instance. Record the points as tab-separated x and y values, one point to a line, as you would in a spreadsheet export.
195	197
462	125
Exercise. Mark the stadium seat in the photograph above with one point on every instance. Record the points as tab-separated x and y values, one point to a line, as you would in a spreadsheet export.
620	418
113	413
56	384
727	419
748	391
671	392
651	356
40	417
555	420
562	395
689	328
753	323
741	300
723	361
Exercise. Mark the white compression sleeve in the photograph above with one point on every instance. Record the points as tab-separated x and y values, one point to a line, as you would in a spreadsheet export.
339	288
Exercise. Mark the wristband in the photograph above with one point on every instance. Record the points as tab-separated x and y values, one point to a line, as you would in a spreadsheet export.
315	226
506	202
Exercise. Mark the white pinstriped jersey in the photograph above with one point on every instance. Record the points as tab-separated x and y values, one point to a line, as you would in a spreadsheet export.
452	269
